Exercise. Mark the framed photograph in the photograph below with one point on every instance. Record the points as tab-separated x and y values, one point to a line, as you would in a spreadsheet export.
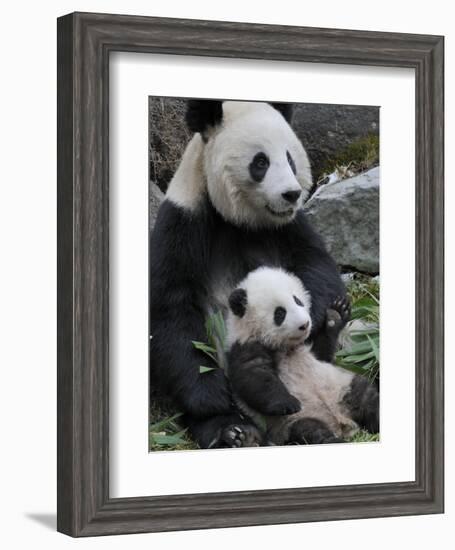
250	274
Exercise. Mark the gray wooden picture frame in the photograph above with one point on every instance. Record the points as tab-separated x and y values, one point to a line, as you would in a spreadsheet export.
85	41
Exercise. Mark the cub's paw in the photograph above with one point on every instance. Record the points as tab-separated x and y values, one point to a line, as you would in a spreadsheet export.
338	314
240	435
282	406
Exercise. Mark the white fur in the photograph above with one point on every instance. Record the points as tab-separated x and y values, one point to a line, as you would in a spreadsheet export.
188	186
320	388
268	288
247	128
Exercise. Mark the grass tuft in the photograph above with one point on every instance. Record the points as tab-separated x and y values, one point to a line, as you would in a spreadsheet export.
360	341
364	437
359	156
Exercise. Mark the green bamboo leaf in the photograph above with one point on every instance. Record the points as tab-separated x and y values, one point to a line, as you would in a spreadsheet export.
165	440
159	426
374	347
208	350
203	369
356	349
204	347
359	358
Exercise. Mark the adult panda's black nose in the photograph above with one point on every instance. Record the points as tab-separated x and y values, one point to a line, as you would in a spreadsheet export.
291	196
304	326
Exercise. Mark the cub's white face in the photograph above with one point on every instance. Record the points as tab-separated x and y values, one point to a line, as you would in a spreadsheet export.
270	306
257	170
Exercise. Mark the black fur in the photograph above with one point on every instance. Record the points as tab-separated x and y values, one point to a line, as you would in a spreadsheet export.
238	301
311	431
279	315
258	167
203	113
286	109
337	315
189	252
363	402
225	431
255	380
179	271
291	162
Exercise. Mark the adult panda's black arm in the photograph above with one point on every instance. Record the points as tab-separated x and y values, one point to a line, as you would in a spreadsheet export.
179	256
313	264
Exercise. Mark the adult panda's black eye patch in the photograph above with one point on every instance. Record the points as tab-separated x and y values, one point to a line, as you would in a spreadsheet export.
279	316
298	302
291	162
258	167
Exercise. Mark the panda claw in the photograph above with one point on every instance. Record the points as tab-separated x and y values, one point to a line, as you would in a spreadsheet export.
338	313
235	436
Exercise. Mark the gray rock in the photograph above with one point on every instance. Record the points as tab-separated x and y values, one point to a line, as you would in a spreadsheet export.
326	130
156	198
345	340
346	215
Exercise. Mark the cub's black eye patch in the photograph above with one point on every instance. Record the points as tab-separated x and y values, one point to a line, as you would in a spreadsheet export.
238	301
291	162
258	167
279	316
298	302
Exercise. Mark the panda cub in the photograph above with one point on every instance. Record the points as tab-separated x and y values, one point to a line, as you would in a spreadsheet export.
274	372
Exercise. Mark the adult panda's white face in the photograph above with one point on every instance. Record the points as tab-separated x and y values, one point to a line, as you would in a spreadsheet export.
270	306
256	169
247	158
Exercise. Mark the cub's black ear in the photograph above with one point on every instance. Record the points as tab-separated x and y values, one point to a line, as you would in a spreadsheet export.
238	301
286	109
203	113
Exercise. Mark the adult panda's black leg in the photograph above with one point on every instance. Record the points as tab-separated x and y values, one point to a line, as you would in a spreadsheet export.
224	431
337	315
311	431
362	401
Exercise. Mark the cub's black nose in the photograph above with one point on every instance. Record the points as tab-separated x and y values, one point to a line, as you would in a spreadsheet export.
304	326
291	196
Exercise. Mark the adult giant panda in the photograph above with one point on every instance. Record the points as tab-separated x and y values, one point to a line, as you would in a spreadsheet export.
234	204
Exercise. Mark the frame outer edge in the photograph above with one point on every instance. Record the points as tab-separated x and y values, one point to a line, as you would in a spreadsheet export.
84	507
436	157
66	444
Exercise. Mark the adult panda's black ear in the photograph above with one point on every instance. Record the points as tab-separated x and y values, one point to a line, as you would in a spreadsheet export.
286	109
202	114
238	302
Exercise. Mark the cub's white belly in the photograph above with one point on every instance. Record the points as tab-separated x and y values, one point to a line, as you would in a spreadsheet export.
320	387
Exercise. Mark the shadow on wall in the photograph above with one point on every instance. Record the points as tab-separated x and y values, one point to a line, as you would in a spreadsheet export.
46	520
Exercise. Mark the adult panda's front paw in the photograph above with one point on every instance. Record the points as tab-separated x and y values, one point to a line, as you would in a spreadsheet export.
338	314
240	435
